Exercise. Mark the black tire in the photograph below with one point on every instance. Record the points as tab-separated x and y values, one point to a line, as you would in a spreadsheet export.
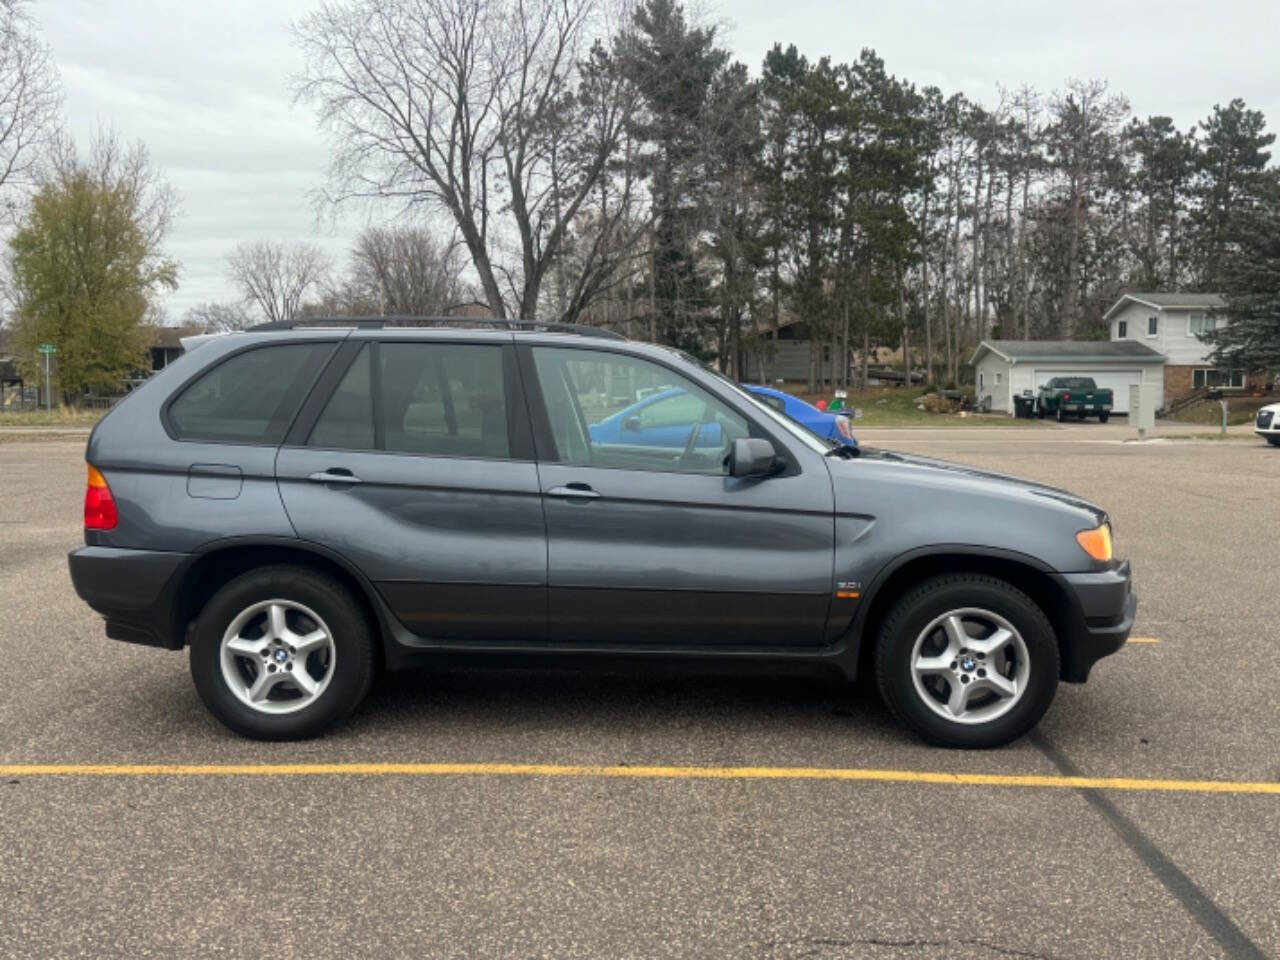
1274	441
353	644
1104	417
916	609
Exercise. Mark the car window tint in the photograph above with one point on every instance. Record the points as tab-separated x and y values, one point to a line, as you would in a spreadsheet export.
611	410
435	399
250	397
347	420
444	399
680	408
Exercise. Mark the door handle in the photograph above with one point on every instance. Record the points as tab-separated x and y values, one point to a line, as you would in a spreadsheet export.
335	475
576	490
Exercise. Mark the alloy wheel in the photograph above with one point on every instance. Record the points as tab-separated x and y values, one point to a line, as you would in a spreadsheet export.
970	665
277	656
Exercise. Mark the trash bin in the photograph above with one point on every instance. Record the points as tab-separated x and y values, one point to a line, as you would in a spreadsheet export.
1024	407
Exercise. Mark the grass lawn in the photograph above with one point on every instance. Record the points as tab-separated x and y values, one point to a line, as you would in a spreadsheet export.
896	407
57	417
1239	410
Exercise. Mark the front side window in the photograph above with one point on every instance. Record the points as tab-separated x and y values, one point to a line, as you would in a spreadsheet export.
251	397
1153	326
612	410
433	399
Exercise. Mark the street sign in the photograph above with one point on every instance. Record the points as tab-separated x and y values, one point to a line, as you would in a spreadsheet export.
46	348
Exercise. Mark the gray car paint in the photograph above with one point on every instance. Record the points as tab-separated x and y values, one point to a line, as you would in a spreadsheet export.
661	558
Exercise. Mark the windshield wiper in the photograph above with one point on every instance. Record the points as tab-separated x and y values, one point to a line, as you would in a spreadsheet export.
840	450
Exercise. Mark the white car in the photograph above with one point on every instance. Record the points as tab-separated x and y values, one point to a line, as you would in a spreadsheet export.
1267	424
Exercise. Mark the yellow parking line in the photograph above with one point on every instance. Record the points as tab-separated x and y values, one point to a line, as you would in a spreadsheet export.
631	773
1144	639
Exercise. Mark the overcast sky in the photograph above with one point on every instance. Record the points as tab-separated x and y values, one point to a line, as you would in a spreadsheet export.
206	85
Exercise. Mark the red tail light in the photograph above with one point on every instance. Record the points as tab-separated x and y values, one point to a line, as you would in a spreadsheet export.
99	506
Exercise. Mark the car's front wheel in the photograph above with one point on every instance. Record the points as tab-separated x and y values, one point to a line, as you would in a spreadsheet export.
967	661
282	653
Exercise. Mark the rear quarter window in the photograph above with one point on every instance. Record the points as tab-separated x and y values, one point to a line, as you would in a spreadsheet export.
250	397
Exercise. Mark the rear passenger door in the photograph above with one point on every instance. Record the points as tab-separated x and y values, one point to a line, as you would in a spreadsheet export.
414	460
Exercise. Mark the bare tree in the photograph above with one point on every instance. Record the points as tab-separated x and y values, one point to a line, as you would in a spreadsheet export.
1083	138
218	317
503	114
30	95
276	276
407	272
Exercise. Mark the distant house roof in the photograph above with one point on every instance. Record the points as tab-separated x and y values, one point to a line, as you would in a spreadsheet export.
1092	351
1168	301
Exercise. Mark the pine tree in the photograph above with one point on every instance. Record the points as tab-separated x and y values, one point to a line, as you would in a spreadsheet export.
1232	173
674	66
1163	163
1251	281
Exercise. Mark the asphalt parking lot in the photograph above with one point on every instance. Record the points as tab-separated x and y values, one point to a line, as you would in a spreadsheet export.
682	846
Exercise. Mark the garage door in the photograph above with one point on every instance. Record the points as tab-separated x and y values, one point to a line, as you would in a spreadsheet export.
1117	380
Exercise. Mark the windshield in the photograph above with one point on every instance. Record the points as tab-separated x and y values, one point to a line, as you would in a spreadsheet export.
799	431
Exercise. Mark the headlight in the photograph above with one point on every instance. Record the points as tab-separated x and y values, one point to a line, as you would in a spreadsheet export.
1096	542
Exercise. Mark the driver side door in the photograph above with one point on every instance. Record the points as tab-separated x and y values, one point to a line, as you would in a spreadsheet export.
652	543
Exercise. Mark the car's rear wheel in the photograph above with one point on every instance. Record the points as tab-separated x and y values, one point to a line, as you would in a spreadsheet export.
1104	417
967	661
282	653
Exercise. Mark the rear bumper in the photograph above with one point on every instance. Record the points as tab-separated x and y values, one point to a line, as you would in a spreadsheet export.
1105	609
133	590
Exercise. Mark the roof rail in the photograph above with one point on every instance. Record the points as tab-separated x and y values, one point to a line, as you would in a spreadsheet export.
377	323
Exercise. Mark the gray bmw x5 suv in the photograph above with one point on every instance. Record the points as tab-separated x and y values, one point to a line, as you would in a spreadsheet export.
303	506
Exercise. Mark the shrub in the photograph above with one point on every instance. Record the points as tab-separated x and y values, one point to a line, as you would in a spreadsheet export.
934	403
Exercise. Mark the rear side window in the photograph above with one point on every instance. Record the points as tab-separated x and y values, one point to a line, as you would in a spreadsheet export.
250	397
434	399
347	421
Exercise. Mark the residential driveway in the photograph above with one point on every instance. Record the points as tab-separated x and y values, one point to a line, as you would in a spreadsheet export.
630	814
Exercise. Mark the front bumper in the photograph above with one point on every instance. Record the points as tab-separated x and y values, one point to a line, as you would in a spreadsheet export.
1105	609
133	590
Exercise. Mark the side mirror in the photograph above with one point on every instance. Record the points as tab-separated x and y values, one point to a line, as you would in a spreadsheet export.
752	457
632	423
